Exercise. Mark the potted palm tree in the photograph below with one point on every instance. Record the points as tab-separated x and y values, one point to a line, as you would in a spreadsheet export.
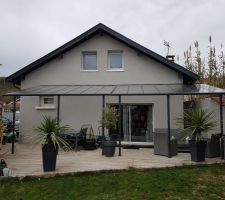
109	121
194	122
48	133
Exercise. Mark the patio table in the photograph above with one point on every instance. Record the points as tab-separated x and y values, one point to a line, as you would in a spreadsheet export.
72	135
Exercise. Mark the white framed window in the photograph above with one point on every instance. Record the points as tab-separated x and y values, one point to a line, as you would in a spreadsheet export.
89	61
46	101
115	60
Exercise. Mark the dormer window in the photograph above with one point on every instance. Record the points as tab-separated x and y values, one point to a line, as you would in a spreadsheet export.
89	60
115	60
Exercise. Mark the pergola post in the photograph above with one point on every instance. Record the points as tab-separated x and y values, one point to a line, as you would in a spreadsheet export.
58	109
120	124
103	107
168	126
103	128
14	119
221	127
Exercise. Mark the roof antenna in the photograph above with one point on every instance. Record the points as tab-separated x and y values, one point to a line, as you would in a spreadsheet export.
167	44
169	57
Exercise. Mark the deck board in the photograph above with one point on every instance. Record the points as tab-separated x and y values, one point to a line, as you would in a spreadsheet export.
27	160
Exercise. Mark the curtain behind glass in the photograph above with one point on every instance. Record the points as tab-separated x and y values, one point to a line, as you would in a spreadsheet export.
126	123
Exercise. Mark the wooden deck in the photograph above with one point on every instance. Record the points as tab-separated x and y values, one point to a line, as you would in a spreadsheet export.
27	160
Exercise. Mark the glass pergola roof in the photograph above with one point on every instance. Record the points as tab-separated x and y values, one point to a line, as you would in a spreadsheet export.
115	90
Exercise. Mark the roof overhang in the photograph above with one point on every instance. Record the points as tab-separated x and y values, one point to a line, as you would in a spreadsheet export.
116	90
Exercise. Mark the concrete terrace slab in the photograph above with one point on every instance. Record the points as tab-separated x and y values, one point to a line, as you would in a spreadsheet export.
27	160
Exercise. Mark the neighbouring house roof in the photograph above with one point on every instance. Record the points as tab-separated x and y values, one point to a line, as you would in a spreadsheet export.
10	104
189	76
115	90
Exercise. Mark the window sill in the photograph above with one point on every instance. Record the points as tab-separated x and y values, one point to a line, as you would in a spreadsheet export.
45	107
82	70
115	70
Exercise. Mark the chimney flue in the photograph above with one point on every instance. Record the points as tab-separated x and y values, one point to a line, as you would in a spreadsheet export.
171	57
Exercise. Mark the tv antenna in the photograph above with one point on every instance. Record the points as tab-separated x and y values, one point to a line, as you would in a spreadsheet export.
167	44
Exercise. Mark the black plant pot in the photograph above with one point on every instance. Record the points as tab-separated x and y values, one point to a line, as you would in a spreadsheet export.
49	155
90	144
108	147
197	150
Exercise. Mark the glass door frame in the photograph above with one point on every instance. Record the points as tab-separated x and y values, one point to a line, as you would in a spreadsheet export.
129	118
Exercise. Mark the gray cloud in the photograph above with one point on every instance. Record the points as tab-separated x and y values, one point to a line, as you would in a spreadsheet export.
30	29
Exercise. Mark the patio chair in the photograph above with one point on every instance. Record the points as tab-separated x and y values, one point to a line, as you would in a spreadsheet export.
213	146
73	137
89	142
161	144
83	138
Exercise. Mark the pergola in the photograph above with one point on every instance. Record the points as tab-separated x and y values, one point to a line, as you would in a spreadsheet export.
120	91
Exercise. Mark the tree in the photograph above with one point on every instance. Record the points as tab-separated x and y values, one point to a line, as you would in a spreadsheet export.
198	61
222	67
211	69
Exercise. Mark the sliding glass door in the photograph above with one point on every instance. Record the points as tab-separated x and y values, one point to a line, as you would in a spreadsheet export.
141	123
137	123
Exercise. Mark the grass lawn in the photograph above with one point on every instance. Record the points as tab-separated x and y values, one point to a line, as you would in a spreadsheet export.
188	182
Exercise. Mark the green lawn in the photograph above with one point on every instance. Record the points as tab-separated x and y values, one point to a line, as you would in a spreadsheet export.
188	182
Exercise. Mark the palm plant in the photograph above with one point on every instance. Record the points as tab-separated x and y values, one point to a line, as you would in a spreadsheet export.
197	121
49	133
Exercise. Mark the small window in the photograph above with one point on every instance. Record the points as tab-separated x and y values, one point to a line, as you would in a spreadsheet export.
46	101
89	61
115	59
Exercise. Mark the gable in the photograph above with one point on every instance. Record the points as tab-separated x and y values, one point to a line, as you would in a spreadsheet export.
137	69
100	29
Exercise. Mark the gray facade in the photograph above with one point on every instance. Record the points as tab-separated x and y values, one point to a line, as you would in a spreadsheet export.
75	111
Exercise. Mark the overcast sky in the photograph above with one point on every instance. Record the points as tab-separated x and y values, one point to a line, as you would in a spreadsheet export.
32	28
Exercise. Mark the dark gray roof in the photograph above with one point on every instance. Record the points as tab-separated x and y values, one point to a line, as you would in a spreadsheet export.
114	90
188	75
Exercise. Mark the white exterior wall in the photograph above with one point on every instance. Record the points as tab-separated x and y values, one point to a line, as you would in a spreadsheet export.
214	107
79	110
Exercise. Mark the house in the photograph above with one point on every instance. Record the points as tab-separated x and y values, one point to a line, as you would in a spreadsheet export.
103	59
212	105
8	107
